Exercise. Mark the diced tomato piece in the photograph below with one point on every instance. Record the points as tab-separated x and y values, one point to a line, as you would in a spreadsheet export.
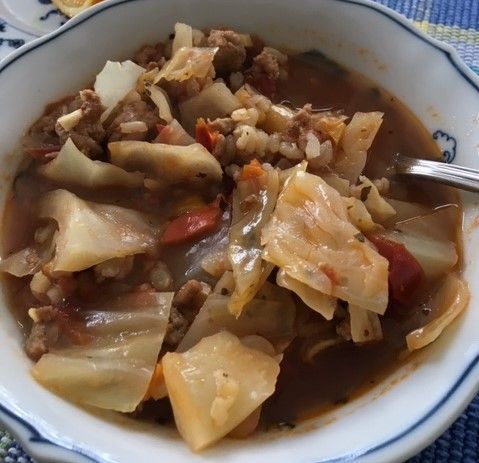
405	272
208	138
41	151
192	225
251	170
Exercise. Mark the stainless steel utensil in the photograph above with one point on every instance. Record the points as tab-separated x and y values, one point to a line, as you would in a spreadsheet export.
449	174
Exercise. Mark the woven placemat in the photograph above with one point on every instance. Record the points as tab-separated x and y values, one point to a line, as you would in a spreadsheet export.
457	23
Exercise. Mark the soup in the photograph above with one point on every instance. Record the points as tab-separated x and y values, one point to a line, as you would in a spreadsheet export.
213	236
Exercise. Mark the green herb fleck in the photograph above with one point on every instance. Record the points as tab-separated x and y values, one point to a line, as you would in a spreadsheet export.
360	237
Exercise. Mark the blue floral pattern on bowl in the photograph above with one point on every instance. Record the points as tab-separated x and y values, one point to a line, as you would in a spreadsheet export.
52	12
447	144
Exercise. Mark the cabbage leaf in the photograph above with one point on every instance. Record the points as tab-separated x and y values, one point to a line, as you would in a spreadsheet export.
321	303
212	102
270	315
253	202
357	138
311	238
188	62
91	233
451	299
114	369
215	385
114	82
72	167
168	164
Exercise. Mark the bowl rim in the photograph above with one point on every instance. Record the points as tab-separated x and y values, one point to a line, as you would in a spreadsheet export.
35	443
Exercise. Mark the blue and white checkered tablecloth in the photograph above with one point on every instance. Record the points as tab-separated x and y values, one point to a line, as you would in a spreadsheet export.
453	21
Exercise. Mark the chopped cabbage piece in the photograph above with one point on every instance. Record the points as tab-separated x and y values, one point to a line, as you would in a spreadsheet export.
357	139
183	37
429	241
114	82
161	100
215	385
452	297
365	325
27	261
174	134
90	233
168	164
113	371
271	315
321	303
72	167
188	62
276	119
359	215
286	174
212	102
254	200
377	206
341	185
311	238
70	120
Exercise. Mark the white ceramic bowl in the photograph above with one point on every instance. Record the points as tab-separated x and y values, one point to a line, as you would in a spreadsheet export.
390	423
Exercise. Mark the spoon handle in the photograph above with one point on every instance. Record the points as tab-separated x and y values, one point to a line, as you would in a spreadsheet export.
449	174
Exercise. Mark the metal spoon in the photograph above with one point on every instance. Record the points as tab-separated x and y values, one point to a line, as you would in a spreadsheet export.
456	176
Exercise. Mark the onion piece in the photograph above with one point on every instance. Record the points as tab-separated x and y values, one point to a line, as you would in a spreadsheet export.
183	37
355	142
454	296
212	102
70	120
365	325
161	100
188	62
114	82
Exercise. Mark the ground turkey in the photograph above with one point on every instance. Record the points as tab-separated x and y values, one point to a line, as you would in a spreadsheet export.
231	52
150	57
88	134
44	333
133	111
186	304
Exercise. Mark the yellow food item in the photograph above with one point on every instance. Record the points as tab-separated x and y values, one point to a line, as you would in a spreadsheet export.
73	7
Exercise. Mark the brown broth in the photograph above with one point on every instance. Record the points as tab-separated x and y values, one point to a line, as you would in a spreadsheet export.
334	378
303	389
